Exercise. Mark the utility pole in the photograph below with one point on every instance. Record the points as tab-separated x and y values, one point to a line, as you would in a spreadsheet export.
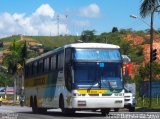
151	52
66	24
58	25
151	49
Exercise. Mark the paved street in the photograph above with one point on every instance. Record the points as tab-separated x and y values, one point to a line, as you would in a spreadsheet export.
16	112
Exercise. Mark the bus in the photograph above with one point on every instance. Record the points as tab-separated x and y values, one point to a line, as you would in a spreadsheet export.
79	76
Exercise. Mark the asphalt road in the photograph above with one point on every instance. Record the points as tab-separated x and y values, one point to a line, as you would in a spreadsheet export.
17	112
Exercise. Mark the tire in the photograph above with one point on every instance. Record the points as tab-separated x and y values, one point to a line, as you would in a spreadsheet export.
116	109
63	109
41	110
61	104
31	101
105	112
131	109
34	106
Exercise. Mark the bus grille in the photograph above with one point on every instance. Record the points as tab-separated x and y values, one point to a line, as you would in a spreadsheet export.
93	94
106	94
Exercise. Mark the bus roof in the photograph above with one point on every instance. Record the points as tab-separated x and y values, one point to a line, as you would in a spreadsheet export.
76	45
92	45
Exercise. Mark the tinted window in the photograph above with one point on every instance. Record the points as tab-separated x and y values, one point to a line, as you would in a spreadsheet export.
68	55
97	54
46	64
34	68
41	66
60	60
53	62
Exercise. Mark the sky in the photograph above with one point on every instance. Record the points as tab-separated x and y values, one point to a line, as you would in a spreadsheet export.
71	17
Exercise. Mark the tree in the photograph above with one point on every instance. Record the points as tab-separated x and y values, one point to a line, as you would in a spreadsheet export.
144	71
12	61
23	54
88	36
114	29
147	7
5	79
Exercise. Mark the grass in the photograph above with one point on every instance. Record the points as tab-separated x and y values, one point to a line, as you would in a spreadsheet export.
10	39
54	42
146	101
48	42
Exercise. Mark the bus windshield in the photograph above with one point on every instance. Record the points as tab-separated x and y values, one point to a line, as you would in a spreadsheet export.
97	75
97	54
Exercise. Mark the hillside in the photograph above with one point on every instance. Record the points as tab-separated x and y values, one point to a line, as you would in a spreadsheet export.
143	42
46	41
134	44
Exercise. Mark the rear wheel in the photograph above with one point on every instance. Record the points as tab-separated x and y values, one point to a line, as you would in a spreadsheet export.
34	105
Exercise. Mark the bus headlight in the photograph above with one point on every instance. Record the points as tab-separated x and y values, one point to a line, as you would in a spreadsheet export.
118	94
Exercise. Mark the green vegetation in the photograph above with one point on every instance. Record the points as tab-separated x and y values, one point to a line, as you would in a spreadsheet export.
10	39
5	79
144	71
88	36
135	52
144	102
54	42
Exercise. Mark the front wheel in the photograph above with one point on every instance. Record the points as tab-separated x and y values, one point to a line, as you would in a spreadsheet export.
63	109
61	104
116	109
131	109
105	112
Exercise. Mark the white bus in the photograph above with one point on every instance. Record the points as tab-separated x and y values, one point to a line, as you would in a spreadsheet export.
80	76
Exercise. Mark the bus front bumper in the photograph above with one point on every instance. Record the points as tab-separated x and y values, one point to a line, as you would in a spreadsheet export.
97	102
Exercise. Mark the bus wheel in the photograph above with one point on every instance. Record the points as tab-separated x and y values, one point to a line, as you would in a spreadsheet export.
70	111
116	109
31	101
131	109
105	112
34	105
42	110
61	104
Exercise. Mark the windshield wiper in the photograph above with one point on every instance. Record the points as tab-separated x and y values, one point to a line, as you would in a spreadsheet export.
112	86
91	86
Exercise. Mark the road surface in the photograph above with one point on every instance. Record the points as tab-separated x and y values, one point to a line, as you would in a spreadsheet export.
17	112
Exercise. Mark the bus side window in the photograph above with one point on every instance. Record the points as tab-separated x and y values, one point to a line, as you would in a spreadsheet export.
60	60
53	62
30	70
41	66
26	71
46	65
68	55
34	66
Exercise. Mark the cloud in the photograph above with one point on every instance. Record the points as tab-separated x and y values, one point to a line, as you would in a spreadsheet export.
40	22
45	10
91	11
